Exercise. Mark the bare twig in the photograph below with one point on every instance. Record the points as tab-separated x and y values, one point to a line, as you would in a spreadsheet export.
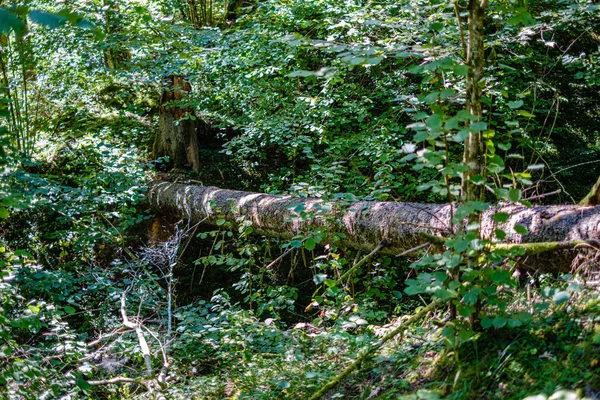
275	261
118	379
366	258
140	334
419	247
539	196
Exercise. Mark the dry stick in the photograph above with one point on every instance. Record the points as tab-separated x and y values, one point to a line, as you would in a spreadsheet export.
539	196
275	261
119	379
151	382
140	334
368	352
419	247
366	258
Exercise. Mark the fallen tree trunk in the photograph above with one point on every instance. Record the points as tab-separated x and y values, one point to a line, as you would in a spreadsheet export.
366	225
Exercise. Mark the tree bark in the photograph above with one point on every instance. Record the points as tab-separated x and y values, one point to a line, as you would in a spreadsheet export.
473	151
365	225
178	128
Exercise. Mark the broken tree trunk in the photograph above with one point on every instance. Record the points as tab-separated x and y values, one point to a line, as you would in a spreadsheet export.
365	225
179	129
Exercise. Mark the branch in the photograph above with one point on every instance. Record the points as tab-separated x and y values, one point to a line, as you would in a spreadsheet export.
118	379
532	249
460	27
140	334
366	258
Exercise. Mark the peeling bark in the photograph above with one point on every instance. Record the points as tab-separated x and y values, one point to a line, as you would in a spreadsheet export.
365	225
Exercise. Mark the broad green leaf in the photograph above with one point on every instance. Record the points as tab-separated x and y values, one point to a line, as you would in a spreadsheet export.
486	323
501	217
521	230
465	334
4	213
330	283
525	113
515	104
69	310
373	60
301	73
319	278
434	122
500	276
499	322
514	195
309	244
561	297
421	136
461	70
436	26
47	19
478	126
460	136
10	21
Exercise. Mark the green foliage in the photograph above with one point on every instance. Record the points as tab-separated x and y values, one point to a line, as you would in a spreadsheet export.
343	100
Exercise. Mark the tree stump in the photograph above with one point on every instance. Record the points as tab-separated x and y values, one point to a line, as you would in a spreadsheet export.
178	127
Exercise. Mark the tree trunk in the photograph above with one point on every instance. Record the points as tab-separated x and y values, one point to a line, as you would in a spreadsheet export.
365	225
178	127
117	56
475	61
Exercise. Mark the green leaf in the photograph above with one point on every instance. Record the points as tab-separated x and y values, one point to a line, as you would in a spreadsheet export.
478	126
514	195
319	278
561	297
461	70
486	323
521	230
461	136
461	245
301	73
296	244
501	217
434	122
499	322
82	384
421	136
309	244
515	104
69	310
4	213
500	276
373	60
436	26
330	283
9	21
525	113
47	19
465	334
